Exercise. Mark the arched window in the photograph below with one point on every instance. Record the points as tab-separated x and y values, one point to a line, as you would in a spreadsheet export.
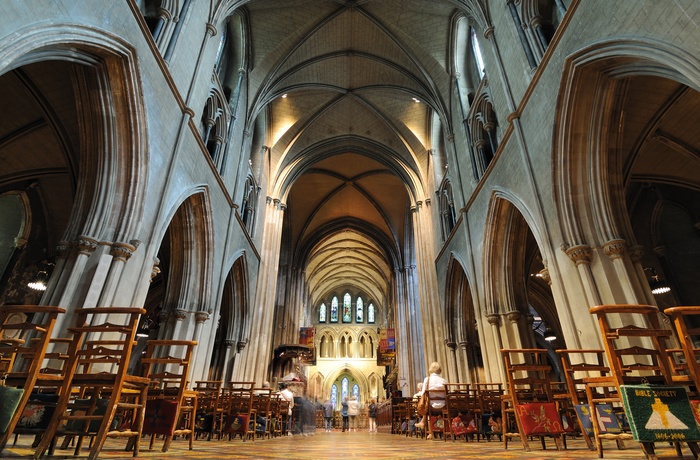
359	311
218	63
334	395
356	391
482	126
322	313
249	204
476	49
334	310
347	308
344	388
346	346
215	127
447	209
370	313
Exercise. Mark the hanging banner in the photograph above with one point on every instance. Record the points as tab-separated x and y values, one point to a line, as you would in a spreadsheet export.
306	336
387	340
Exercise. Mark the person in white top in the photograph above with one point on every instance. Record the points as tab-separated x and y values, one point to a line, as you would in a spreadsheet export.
289	396
435	386
353	410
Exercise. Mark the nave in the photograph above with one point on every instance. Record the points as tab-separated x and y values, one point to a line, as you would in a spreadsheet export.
339	445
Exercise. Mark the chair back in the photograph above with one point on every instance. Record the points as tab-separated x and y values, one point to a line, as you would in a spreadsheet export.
686	321
635	343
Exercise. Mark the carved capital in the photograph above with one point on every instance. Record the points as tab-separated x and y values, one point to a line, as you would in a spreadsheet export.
211	29
660	251
163	316
180	314
494	319
463	346
241	345
122	251
636	252
615	249
544	274
86	245
156	269
451	345
201	316
488	33
63	248
20	242
513	316
580	254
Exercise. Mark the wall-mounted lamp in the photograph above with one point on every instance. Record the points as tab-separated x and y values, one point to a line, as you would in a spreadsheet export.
144	330
39	281
657	285
549	334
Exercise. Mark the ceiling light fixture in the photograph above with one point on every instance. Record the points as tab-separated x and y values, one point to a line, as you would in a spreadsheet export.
40	280
656	283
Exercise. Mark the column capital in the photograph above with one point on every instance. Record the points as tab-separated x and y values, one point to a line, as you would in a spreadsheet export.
580	254
86	245
615	249
494	319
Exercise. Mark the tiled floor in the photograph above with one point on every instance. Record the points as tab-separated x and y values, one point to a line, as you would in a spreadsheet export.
337	445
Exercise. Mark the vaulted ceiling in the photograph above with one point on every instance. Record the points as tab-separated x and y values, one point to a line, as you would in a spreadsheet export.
351	89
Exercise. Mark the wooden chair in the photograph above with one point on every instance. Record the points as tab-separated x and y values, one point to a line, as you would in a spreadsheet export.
636	348
578	364
171	407
686	321
412	415
239	396
529	398
262	412
209	411
25	332
435	413
99	354
461	400
490	396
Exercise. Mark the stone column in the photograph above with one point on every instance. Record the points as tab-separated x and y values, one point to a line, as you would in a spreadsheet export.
581	256
493	360
254	362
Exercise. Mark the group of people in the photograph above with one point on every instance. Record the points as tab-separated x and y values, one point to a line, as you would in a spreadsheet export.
350	409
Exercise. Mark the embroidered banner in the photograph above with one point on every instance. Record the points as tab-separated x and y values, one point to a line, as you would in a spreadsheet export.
659	413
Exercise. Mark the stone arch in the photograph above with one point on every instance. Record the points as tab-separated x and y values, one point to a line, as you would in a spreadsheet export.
588	195
591	170
462	323
111	180
510	238
104	164
188	250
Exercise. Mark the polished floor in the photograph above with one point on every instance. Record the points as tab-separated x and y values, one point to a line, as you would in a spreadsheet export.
338	445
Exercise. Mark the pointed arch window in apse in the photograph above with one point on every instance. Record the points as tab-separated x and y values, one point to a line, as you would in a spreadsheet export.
344	388
334	395
347	308
359	311
322	313
477	53
370	313
334	310
356	391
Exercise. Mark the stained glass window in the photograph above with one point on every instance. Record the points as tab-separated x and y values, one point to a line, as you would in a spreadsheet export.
322	313
370	313
347	308
359	311
344	388
334	310
334	395
356	391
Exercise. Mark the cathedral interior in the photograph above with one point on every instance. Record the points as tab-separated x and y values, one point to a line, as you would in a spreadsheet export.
403	181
